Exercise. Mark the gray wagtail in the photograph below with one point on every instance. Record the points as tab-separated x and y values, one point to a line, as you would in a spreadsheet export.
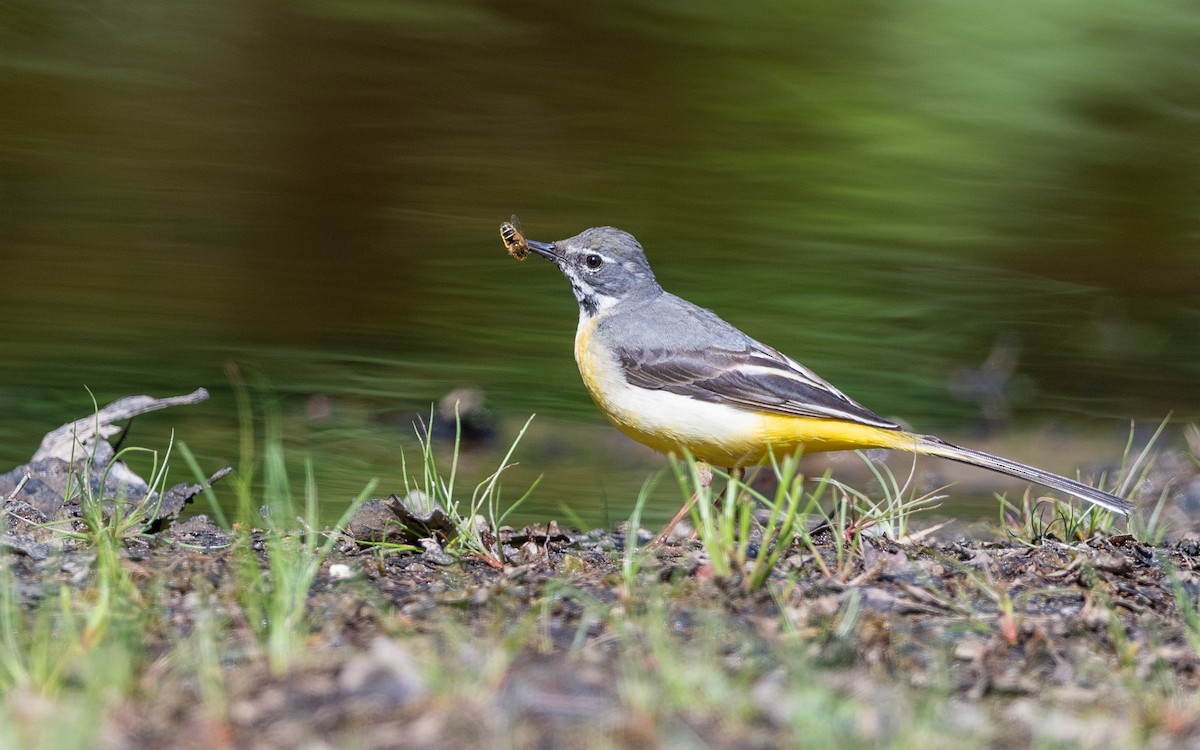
673	375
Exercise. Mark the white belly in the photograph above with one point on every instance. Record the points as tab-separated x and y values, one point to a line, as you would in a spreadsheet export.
716	433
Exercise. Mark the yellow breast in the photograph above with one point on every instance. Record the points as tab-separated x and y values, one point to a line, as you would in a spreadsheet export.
719	434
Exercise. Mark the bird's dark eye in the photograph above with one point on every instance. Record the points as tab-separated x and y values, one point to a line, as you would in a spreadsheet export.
593	261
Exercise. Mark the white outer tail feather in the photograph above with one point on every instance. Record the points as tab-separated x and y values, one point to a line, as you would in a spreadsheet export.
931	446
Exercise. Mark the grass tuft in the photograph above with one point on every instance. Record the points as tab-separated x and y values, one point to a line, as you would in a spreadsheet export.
745	544
740	546
274	599
476	520
1033	521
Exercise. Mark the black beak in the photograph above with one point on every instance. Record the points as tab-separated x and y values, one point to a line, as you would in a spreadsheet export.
544	249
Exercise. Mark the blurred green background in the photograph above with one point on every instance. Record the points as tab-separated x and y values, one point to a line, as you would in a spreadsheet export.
966	215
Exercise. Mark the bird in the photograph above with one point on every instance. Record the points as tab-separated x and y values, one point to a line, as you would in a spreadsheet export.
676	377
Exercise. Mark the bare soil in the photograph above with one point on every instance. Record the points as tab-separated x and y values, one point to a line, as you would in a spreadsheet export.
1009	632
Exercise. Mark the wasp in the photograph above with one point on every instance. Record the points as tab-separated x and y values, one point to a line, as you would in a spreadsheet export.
514	241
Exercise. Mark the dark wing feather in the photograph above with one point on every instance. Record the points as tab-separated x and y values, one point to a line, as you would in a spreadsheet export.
760	379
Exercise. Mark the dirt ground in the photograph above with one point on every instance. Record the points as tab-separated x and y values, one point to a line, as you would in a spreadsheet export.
397	653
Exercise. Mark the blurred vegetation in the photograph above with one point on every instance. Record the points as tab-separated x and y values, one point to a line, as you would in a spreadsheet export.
884	190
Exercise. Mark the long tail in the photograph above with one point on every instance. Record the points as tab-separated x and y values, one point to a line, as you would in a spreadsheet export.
932	446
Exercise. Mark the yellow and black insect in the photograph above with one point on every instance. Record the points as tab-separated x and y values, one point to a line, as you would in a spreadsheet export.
514	241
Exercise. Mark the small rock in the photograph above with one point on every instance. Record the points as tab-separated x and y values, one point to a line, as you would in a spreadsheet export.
461	415
201	531
529	553
970	650
434	553
376	521
894	564
1111	562
386	674
26	545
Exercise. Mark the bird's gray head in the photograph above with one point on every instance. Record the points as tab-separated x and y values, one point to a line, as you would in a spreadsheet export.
604	265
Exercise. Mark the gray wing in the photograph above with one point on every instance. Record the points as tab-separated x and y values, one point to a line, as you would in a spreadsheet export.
756	377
